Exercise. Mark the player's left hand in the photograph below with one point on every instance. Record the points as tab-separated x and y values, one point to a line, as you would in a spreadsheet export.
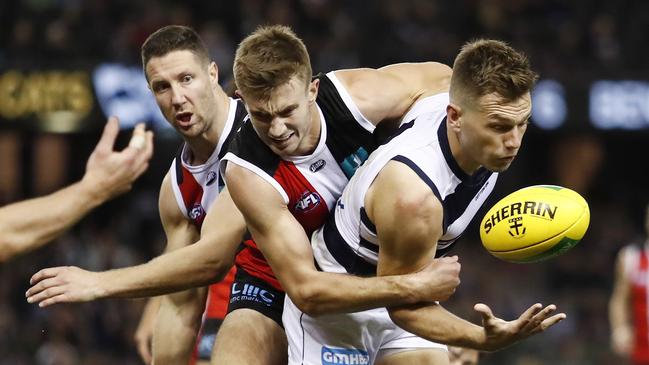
64	284
143	337
500	333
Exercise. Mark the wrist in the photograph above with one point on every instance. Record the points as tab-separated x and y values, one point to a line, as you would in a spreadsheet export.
416	290
102	287
91	192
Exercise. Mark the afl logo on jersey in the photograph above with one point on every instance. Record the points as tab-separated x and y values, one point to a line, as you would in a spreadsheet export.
318	165
196	212
211	178
307	201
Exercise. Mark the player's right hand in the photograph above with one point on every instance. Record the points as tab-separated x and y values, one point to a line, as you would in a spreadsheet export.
440	279
110	172
64	284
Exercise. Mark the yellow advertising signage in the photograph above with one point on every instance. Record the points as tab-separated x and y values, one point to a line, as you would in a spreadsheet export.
62	98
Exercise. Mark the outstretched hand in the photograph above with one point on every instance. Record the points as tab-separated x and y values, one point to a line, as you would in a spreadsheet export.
110	172
500	333
65	284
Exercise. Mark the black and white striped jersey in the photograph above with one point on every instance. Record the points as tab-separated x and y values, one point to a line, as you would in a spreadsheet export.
348	241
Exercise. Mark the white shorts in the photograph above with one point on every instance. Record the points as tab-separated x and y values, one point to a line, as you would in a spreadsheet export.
349	338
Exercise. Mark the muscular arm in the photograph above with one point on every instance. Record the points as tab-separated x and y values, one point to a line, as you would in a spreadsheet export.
287	248
620	310
178	319
387	93
408	217
199	264
27	225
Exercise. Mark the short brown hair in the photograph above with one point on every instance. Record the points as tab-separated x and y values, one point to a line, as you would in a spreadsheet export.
268	58
173	38
489	66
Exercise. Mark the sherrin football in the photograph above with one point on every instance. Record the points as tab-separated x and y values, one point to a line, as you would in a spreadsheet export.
535	223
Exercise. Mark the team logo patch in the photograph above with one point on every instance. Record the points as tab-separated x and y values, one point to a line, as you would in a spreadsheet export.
196	212
352	162
332	356
317	166
211	178
308	201
251	293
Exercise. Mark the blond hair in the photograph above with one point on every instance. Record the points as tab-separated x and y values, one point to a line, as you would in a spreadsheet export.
268	58
489	66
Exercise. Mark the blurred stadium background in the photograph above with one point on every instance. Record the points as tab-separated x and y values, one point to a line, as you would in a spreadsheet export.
66	64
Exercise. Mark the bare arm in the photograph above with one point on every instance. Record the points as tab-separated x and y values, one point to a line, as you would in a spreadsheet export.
620	310
288	250
199	264
388	93
179	317
27	225
408	218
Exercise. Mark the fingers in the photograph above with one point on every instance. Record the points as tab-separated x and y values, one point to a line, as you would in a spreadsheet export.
140	147
61	298
549	322
41	286
484	310
107	140
45	295
144	349
541	318
138	140
530	312
450	259
44	274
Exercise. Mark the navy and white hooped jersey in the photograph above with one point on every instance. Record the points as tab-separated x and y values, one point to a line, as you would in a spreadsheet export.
348	241
309	185
197	186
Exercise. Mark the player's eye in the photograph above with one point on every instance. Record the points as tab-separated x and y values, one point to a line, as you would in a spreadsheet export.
187	78
160	87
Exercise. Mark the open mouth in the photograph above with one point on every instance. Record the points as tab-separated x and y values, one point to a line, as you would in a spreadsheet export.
184	119
282	140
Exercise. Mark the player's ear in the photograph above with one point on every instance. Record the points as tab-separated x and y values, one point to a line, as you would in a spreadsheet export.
313	90
213	71
453	116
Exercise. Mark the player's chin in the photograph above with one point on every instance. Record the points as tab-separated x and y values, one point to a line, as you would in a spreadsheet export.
499	165
284	149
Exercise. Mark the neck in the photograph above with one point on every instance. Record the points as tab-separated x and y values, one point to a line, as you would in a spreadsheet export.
468	165
203	145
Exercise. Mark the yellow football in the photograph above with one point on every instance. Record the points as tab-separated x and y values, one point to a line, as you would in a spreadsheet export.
535	223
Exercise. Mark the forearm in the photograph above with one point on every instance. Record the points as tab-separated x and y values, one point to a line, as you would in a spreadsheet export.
434	323
185	268
27	225
326	293
177	326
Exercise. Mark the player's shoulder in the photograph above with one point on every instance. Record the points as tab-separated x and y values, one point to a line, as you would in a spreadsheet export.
409	193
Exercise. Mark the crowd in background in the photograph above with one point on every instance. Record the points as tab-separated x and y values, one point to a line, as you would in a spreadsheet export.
566	40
